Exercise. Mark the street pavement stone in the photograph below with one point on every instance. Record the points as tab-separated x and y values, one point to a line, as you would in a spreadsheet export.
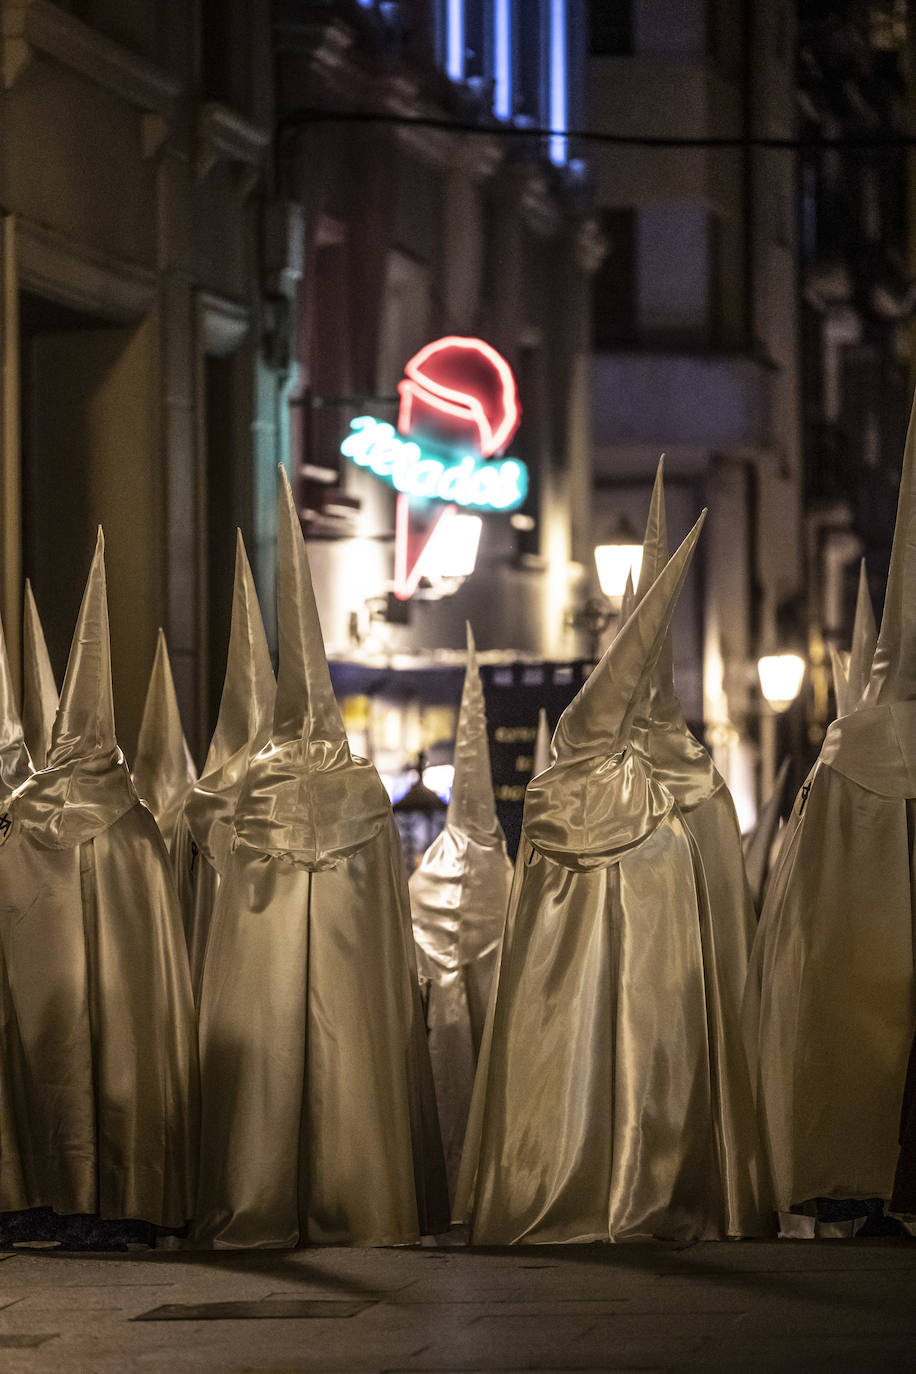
833	1305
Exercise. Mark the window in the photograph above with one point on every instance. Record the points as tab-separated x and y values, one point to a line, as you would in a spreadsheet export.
225	53
529	99
518	53
476	40
610	28
614	286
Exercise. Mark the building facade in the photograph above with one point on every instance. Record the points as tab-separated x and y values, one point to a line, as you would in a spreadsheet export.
696	334
413	230
858	296
134	176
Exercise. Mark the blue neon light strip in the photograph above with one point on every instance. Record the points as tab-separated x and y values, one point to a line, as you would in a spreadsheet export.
559	96
502	59
455	40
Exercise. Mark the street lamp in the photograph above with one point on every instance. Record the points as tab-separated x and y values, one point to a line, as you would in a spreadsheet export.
451	552
614	562
780	678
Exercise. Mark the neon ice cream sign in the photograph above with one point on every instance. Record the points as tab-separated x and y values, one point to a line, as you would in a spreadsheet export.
459	405
465	481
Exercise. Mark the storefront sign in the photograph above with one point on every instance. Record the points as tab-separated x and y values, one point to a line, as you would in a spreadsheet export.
464	480
466	383
458	409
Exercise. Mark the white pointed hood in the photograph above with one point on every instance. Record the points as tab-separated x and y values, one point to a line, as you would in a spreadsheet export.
839	668
851	670
459	891
597	798
39	689
163	771
244	721
677	759
15	764
864	640
627	601
893	670
307	799
249	688
472	806
875	744
85	726
542	744
85	786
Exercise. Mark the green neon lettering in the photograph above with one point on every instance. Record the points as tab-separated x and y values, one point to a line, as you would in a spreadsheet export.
469	481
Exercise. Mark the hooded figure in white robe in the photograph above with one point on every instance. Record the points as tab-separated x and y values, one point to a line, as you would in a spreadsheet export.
319	1116
684	766
163	771
39	689
678	761
830	999
458	898
593	1116
203	836
99	1046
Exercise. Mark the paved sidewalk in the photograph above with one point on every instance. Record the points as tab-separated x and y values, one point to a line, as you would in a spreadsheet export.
838	1305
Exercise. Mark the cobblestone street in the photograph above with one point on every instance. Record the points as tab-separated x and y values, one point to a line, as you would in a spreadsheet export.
749	1306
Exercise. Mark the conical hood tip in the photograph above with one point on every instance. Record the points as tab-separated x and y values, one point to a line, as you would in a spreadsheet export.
306	707
39	687
85	719
15	765
655	539
893	672
249	687
597	721
472	806
864	638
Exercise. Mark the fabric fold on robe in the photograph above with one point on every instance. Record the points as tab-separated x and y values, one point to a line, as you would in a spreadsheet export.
760	843
39	689
594	1114
458	898
203	836
163	771
829	1004
99	1050
319	1116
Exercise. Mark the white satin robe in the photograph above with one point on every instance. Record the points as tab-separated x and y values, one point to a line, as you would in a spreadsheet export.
830	1000
458	896
600	1108
319	1117
99	1098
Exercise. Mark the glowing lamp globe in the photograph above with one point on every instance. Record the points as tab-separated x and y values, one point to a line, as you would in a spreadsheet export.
613	562
781	678
452	547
